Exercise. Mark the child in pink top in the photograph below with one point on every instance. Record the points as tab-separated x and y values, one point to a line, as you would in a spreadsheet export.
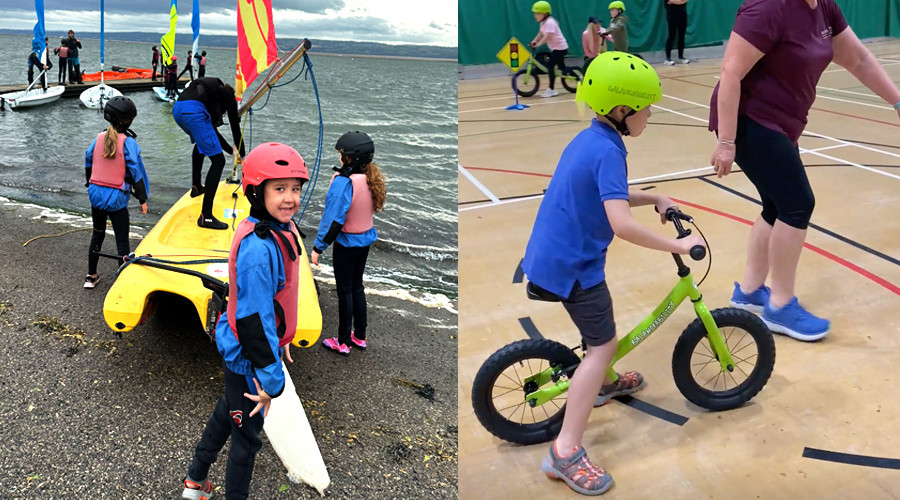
591	41
550	34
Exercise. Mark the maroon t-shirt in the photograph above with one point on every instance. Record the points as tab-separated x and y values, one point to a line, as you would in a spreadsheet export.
796	42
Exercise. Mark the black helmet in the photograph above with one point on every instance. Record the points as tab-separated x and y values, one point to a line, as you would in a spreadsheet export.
358	146
62	39
119	110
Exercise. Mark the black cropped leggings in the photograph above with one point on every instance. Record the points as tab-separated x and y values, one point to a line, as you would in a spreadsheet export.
772	163
349	264
557	60
677	21
120	226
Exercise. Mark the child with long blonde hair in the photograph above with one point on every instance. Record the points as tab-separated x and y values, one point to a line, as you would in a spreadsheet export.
114	170
356	193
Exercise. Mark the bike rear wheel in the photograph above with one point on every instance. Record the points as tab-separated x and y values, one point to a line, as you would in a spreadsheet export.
498	393
697	371
572	76
527	84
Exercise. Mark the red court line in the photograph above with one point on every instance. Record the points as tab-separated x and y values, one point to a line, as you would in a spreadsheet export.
825	253
535	174
873	120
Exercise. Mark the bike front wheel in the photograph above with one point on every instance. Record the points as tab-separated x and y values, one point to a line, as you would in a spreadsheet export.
527	84
571	77
498	393
697	371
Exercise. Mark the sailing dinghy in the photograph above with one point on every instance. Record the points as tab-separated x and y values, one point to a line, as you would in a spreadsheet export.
95	97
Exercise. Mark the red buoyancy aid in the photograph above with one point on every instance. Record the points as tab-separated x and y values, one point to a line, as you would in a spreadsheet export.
285	299
361	215
109	172
203	61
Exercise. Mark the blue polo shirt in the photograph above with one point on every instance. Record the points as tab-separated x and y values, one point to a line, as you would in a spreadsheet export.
571	232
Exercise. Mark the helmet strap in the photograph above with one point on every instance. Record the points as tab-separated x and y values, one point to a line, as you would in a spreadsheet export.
620	125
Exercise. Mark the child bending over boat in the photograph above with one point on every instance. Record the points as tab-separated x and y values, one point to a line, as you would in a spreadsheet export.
114	170
199	111
261	318
357	191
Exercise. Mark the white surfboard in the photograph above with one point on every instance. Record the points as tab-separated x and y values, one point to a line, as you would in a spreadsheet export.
288	430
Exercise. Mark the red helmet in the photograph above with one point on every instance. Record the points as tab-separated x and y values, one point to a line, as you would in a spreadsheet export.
272	160
174	58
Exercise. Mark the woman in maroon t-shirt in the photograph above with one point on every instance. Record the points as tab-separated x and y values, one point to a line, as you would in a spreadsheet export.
776	54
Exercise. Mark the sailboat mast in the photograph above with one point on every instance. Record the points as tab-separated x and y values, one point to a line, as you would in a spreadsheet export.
101	44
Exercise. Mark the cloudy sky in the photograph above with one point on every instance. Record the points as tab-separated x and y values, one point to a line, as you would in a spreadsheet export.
392	21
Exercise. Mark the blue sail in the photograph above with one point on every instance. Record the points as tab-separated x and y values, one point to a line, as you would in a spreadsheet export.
195	25
39	43
101	39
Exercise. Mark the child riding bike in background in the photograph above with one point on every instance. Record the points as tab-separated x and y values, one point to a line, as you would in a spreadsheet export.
586	204
550	34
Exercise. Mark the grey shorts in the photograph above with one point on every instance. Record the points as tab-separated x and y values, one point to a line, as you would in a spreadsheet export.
591	311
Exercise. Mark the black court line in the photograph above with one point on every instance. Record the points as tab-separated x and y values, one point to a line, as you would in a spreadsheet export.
851	459
649	409
642	406
817	227
519	274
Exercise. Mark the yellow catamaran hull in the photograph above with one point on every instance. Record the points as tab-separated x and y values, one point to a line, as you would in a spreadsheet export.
176	237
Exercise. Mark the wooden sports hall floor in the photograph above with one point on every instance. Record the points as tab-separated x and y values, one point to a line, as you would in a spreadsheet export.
826	426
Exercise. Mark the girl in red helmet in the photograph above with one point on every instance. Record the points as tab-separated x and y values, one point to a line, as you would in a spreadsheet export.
261	317
356	193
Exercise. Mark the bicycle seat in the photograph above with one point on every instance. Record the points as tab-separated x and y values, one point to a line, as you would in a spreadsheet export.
537	293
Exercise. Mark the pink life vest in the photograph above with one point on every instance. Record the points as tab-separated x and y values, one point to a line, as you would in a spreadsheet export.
203	61
63	52
285	299
361	215
109	172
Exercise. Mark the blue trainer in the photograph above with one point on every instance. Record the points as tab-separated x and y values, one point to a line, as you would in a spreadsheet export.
753	302
795	321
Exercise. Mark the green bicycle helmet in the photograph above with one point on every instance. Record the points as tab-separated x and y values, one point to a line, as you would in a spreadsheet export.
541	7
617	5
619	79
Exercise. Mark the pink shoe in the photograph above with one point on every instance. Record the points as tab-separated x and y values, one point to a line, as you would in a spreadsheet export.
333	345
357	342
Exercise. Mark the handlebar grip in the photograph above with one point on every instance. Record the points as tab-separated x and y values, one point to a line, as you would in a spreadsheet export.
698	252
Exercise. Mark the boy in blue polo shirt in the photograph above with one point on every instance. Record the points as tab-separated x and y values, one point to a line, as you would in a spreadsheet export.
586	204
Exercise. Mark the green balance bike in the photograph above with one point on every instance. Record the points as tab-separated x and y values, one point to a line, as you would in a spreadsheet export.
721	361
527	81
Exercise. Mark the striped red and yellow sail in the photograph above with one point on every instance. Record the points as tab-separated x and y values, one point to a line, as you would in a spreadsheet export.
256	42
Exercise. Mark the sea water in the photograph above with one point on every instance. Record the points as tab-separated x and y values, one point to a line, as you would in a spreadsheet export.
407	106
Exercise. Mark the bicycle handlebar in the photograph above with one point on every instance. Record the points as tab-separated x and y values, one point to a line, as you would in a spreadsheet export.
697	252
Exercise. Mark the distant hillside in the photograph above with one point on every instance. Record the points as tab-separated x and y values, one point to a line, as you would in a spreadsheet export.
323	46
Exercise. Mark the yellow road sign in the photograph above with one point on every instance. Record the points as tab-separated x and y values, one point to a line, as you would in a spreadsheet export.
514	54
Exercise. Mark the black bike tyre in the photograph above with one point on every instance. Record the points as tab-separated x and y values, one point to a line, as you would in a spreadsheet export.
571	85
529	89
483	404
737	396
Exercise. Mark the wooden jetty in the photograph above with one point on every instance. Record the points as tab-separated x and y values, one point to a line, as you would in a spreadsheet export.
75	89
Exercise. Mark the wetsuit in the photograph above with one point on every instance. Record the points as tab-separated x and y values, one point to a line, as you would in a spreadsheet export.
189	68
74	64
63	51
111	202
199	111
35	61
201	65
351	249
155	63
172	80
257	267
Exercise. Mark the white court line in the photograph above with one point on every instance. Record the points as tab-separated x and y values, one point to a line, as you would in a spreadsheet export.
860	103
893	62
814	134
848	91
504	107
631	182
477	184
826	148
